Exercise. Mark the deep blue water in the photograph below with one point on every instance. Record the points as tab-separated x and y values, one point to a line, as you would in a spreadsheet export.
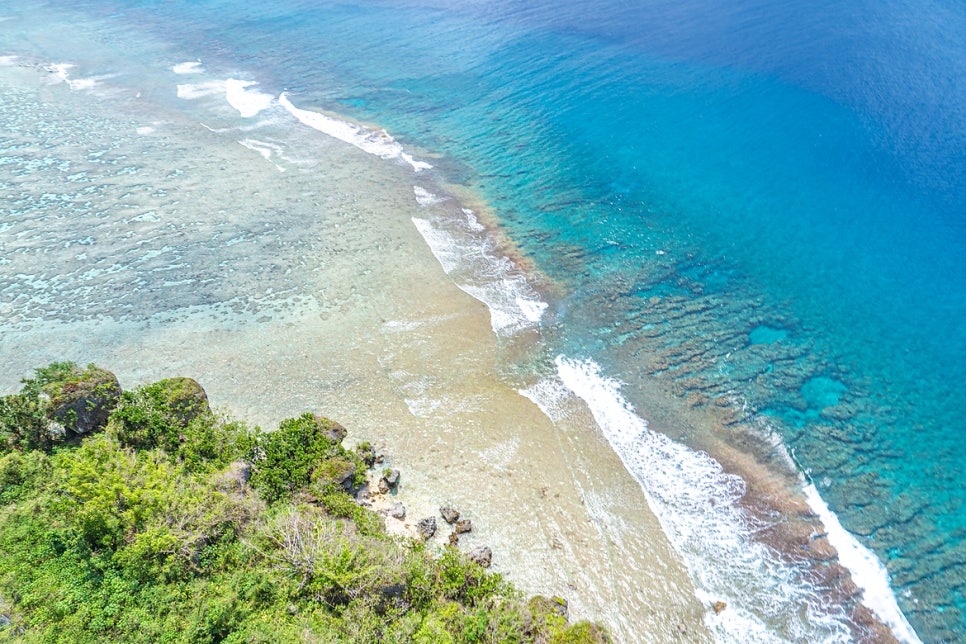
764	200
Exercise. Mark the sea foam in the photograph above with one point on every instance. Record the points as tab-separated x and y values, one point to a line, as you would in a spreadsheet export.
377	143
248	102
867	571
494	280
696	503
191	67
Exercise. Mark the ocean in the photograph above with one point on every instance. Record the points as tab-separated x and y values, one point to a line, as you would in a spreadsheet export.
731	232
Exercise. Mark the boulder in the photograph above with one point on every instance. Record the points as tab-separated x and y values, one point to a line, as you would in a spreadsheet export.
83	399
367	453
454	539
235	477
182	398
718	607
552	606
336	470
450	515
389	480
463	526
481	555
397	510
426	527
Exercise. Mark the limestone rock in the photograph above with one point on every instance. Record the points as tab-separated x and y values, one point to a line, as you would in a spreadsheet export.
332	430
397	510
426	527
449	514
83	399
462	526
367	453
481	555
718	607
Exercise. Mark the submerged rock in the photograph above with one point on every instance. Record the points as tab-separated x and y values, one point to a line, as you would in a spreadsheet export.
426	527
481	555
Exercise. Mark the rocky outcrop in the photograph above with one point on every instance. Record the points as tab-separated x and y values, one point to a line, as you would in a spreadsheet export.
426	527
183	398
389	481
450	515
481	555
82	399
397	510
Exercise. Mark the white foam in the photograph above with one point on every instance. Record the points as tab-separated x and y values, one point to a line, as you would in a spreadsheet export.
248	102
8	60
867	571
145	130
266	150
695	501
494	280
377	143
472	221
425	197
61	74
190	67
191	91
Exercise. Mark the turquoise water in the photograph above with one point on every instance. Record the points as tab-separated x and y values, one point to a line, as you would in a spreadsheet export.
757	208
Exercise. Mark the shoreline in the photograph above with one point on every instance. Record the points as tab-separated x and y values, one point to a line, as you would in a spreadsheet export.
382	366
370	331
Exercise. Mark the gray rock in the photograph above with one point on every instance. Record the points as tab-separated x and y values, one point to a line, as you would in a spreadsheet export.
450	515
463	526
426	527
397	510
235	477
481	555
83	399
331	429
389	481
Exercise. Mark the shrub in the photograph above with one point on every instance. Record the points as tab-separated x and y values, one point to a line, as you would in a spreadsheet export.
287	459
174	415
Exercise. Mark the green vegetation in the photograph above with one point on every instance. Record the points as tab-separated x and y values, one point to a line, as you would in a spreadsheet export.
160	521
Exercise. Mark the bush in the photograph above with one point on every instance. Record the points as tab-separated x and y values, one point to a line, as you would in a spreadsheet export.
174	415
286	460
